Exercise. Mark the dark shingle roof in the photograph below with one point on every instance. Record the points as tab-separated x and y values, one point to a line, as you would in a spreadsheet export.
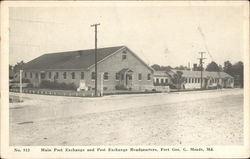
81	59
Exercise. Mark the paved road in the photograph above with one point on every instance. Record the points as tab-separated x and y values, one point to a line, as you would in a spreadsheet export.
201	117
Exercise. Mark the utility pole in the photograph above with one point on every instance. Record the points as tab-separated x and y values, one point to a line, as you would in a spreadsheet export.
20	86
95	25
201	65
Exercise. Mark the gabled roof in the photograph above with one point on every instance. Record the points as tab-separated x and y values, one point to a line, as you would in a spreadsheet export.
81	59
197	74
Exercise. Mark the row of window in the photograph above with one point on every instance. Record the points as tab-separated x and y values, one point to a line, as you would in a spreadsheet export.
198	80
193	80
118	76
188	80
161	80
56	76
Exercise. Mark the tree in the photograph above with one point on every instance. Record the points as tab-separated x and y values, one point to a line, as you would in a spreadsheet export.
213	67
178	79
236	70
157	67
238	73
18	66
228	68
11	73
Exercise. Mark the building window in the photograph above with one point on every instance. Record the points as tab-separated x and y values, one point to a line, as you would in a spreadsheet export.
42	75
73	75
166	80
25	75
57	75
139	76
117	76
149	76
162	80
106	76
49	75
36	75
192	80
157	80
93	75
64	75
124	55
30	74
82	75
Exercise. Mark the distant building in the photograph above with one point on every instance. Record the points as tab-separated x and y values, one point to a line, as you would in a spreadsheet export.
119	67
209	80
161	78
193	79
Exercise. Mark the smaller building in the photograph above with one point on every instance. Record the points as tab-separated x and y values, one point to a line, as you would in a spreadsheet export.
209	79
192	79
161	78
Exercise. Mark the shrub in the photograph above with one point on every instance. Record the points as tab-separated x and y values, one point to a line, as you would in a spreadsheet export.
172	86
161	84
56	85
24	80
30	85
120	87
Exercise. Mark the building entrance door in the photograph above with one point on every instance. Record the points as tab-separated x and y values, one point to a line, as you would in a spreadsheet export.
128	82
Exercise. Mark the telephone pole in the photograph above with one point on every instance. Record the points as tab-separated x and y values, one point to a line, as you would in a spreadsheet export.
201	65
95	25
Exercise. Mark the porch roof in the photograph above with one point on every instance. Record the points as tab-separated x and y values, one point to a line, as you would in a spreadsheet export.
125	70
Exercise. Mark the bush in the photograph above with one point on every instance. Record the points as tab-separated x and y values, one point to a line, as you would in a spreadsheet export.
120	87
24	80
56	85
30	85
172	86
161	84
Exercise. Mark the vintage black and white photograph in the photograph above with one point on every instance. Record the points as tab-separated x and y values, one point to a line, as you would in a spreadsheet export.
127	75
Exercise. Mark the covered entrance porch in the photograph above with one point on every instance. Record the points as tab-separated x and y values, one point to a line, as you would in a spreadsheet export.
125	77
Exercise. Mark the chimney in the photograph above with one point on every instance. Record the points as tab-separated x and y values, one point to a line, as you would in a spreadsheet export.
195	67
78	54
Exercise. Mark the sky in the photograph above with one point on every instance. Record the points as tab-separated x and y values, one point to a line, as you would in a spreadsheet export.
164	35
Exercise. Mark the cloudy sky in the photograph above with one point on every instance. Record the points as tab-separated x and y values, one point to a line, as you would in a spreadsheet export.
166	35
